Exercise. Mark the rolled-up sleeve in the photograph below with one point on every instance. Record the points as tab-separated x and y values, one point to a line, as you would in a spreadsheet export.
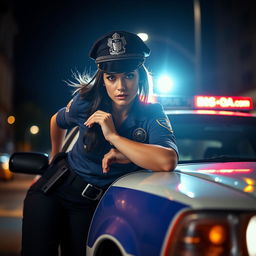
67	117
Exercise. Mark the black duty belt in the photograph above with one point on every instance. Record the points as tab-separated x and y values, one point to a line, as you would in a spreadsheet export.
86	189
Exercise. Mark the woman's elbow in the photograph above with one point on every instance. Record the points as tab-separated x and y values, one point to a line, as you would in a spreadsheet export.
171	161
168	167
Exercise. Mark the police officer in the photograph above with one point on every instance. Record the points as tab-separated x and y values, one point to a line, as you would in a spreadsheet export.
118	133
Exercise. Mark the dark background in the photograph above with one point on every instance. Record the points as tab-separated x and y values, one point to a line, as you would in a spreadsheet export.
53	40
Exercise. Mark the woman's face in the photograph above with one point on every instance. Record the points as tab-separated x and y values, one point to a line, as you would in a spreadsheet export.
122	88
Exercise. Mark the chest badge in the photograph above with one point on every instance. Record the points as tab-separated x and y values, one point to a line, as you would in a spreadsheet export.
139	134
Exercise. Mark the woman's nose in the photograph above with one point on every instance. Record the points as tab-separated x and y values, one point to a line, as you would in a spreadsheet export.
121	85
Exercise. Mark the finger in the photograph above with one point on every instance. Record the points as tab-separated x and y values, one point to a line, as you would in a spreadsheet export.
99	114
105	170
108	159
97	117
105	161
105	166
91	116
91	120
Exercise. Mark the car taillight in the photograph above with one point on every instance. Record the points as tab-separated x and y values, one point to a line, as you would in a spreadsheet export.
208	233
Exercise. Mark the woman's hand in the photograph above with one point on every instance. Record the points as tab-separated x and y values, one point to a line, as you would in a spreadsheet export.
113	156
105	120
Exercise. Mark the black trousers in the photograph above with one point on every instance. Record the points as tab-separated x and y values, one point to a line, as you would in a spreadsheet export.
56	220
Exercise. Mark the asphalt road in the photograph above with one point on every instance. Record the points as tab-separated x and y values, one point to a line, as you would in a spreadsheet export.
12	194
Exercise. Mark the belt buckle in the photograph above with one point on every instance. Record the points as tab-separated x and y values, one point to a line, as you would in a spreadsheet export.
91	192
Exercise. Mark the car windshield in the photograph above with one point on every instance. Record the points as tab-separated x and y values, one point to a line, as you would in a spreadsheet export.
214	137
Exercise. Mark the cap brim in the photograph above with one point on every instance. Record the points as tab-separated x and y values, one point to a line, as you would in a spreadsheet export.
120	66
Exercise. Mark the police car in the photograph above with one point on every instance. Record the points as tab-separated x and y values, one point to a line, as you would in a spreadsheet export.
206	206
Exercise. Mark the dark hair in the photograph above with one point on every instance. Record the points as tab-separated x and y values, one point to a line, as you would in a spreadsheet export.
93	90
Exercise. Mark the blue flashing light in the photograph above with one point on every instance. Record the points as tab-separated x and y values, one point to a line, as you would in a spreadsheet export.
164	84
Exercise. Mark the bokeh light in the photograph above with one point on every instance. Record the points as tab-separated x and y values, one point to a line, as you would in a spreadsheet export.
11	119
143	36
34	129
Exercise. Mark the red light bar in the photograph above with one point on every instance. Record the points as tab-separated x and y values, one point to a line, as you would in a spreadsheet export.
224	171
223	102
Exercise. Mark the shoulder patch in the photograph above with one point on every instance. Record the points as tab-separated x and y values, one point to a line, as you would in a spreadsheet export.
165	122
69	105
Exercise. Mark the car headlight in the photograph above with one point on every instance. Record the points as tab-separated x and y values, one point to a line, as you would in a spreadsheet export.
212	233
251	236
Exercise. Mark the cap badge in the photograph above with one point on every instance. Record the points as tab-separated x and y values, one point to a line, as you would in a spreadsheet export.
116	44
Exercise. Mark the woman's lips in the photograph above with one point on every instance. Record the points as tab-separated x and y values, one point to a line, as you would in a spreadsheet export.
122	96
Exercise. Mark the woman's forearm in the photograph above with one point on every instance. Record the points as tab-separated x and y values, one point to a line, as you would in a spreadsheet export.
153	157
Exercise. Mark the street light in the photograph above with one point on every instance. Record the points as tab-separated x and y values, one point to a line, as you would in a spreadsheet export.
197	35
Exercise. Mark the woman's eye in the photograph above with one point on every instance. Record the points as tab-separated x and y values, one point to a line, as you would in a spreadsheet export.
130	76
110	78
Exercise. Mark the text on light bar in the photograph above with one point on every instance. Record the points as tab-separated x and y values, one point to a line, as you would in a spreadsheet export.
223	102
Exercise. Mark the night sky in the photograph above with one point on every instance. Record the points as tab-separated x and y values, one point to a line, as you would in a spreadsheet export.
53	39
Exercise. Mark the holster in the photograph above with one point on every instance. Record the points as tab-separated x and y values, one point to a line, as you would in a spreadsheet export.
55	172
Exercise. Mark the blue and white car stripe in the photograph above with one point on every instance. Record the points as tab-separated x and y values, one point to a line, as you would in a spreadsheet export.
134	225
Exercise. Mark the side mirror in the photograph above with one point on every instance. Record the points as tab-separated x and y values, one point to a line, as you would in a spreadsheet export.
28	162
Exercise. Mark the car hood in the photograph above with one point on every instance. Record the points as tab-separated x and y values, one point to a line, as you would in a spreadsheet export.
200	186
238	175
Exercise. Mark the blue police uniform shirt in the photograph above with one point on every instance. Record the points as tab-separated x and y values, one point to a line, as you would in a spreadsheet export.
146	123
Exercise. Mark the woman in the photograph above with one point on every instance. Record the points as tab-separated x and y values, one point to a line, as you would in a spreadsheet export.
118	133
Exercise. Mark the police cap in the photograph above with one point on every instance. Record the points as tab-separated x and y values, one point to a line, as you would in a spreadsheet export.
119	52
